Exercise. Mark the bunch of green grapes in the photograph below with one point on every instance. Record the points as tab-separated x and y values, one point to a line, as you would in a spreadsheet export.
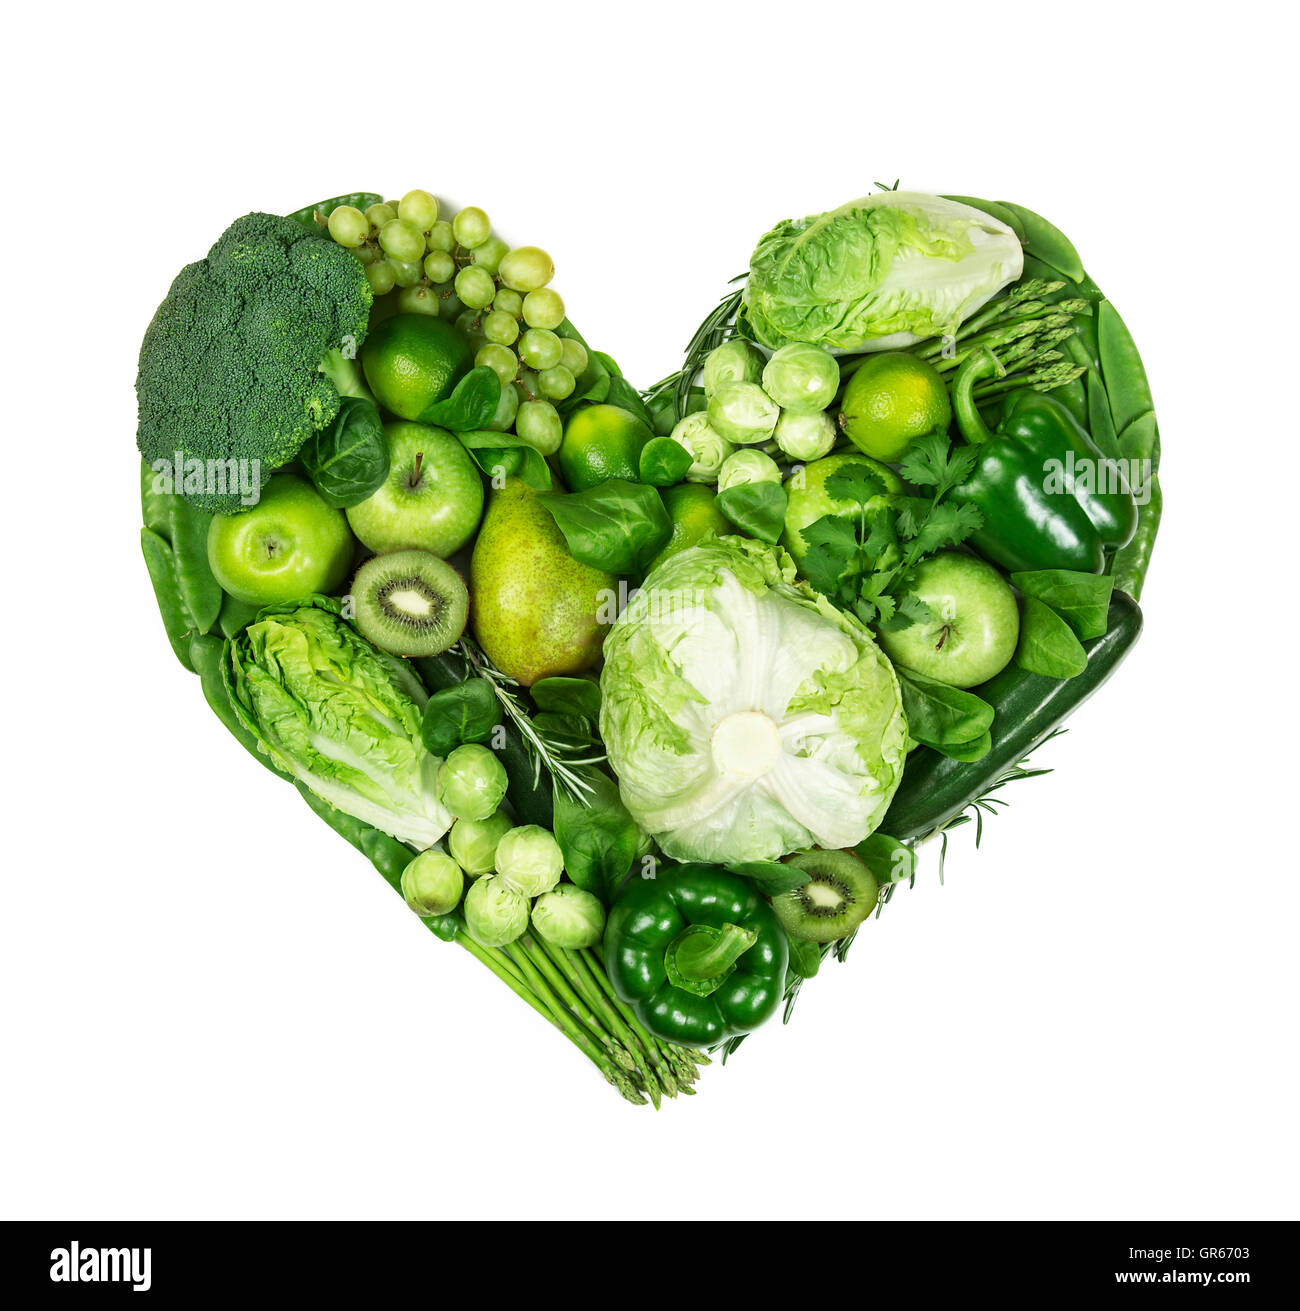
498	296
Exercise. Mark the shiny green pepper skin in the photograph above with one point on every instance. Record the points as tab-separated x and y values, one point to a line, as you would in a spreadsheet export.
1026	525
643	947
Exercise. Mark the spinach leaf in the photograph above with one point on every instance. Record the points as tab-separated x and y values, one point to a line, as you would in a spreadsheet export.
348	461
1082	600
890	860
626	397
940	716
471	405
598	836
757	509
805	958
465	713
664	462
502	454
771	877
618	526
568	696
1048	645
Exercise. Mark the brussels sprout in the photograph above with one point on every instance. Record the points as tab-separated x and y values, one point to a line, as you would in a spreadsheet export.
707	449
748	467
495	913
530	860
742	412
802	378
473	842
805	436
569	917
733	361
471	782
432	883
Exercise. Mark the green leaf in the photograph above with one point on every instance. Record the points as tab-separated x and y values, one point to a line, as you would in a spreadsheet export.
598	837
890	860
947	524
456	715
931	461
858	484
969	751
664	462
348	461
805	958
1082	600
502	454
1048	646
757	509
618	526
567	696
626	397
470	406
771	877
940	716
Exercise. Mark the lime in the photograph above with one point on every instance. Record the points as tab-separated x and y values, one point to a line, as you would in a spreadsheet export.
694	511
413	360
890	400
601	442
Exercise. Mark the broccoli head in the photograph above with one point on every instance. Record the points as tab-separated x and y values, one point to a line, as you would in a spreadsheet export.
230	366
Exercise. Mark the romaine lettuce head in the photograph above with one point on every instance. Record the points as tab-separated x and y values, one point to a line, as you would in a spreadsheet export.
339	715
745	716
877	273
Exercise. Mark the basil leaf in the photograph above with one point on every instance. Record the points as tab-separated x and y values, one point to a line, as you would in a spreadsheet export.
664	462
890	860
757	509
805	957
598	837
501	455
771	877
567	696
1048	646
617	526
1082	600
940	716
471	405
465	713
348	461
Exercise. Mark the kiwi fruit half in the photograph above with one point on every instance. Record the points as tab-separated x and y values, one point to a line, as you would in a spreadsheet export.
839	895
410	603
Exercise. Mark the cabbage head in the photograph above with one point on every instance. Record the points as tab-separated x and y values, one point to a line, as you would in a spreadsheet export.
339	715
877	273
744	715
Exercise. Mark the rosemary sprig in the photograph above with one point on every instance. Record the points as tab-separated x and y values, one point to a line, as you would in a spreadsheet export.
716	328
564	758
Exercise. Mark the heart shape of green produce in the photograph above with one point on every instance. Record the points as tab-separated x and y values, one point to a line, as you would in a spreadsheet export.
695	958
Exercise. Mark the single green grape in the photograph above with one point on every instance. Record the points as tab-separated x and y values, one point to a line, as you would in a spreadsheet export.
381	276
543	308
489	255
528	385
418	207
402	240
441	237
556	383
451	308
366	253
475	287
406	273
500	359
502	328
472	227
527	268
470	323
507	407
349	226
439	266
418	300
540	348
539	425
509	302
380	213
573	355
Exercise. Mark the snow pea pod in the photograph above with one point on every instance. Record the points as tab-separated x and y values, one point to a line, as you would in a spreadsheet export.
1046	242
361	200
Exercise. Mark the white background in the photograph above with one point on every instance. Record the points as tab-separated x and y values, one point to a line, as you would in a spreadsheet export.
211	1007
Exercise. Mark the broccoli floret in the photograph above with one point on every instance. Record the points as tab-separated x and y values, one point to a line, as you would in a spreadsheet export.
230	366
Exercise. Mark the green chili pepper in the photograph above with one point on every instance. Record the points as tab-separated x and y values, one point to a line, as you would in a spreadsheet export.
697	953
1029	523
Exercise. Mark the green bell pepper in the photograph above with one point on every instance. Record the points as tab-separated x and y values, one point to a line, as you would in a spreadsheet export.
1028	523
697	954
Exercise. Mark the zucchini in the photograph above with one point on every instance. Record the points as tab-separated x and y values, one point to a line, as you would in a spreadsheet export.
1027	708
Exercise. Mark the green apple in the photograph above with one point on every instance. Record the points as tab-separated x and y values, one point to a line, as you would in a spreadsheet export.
287	546
974	624
432	498
808	500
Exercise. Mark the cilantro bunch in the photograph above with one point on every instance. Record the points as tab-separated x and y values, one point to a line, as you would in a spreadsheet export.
864	562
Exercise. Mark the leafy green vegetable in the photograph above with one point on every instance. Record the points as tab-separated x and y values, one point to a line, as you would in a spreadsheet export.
879	272
757	509
1082	600
598	836
579	697
465	713
664	462
890	860
1048	646
771	877
470	406
617	526
940	716
502	455
348	461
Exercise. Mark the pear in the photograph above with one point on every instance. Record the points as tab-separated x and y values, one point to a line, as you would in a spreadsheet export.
535	610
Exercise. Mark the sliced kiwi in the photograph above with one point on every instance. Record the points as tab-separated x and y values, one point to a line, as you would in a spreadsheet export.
839	895
410	603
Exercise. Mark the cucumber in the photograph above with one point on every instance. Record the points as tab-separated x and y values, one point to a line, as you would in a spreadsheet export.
1027	708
